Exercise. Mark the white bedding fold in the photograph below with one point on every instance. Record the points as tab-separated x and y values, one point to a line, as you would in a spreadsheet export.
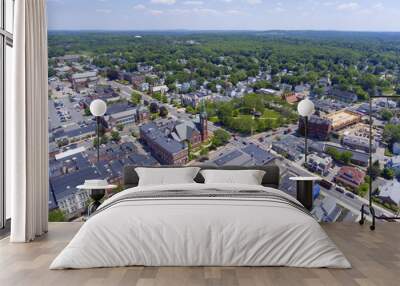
192	231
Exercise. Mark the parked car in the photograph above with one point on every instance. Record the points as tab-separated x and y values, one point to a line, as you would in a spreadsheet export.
350	195
325	184
340	190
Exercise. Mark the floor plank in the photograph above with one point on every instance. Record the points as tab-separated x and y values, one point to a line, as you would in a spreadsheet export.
375	257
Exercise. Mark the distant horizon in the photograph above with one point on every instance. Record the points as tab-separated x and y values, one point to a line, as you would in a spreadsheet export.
221	30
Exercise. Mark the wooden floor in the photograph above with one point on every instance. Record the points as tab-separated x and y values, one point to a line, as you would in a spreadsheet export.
375	257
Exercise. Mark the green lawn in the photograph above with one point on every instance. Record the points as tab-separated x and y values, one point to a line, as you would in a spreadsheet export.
214	119
270	114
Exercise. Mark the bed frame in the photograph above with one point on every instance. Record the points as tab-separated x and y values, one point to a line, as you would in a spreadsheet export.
271	179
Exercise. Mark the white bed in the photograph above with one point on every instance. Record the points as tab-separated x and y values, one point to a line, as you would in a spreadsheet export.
133	228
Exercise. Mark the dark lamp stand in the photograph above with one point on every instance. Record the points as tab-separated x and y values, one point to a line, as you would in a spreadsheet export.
96	196
369	205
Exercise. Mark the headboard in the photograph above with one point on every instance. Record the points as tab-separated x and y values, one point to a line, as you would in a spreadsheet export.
271	179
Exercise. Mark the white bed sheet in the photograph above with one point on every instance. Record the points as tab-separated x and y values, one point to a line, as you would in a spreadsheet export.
200	232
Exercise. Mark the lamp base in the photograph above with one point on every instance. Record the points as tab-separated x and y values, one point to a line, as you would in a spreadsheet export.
364	212
96	196
305	193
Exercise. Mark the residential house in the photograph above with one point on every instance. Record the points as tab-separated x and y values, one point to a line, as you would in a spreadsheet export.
394	163
68	59
125	117
320	165
390	192
84	80
359	143
343	95
350	177
144	68
142	114
396	149
290	147
160	89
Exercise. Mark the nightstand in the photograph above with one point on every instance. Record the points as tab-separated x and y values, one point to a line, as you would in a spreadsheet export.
305	190
97	190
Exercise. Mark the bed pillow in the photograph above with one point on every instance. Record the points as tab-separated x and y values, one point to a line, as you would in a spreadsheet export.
244	177
166	176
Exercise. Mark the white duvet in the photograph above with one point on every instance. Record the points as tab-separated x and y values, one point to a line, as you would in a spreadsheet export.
200	232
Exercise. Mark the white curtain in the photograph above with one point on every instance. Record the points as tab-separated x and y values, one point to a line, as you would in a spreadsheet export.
27	142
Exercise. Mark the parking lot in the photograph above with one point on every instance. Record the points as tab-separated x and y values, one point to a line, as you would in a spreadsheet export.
63	112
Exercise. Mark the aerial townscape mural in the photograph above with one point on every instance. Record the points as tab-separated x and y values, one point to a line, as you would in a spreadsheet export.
226	98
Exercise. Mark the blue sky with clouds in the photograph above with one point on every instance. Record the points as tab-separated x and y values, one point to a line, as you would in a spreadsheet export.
366	15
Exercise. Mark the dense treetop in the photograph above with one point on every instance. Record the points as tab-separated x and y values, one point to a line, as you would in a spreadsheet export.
355	61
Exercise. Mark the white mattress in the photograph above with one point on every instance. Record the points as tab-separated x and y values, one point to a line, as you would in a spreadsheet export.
191	231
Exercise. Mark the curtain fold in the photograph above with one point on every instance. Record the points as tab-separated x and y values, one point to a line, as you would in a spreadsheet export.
27	150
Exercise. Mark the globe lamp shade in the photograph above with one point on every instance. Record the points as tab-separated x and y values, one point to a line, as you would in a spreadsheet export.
98	107
306	108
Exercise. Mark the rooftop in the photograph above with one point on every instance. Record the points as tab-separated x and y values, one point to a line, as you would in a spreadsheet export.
119	107
84	75
260	156
123	114
342	118
235	158
247	156
70	152
351	174
89	128
161	139
391	190
62	186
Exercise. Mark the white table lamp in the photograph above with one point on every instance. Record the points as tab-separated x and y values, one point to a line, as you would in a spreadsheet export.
306	108
98	108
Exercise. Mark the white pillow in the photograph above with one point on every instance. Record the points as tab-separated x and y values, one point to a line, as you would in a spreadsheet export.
245	177
166	176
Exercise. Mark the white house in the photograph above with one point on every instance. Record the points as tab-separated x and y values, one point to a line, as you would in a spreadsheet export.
391	192
396	149
161	88
394	163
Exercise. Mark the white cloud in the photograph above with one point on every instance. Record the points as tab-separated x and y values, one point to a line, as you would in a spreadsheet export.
279	9
104	11
329	3
193	3
234	12
372	10
350	6
205	11
156	12
254	2
378	6
165	2
199	11
179	11
139	7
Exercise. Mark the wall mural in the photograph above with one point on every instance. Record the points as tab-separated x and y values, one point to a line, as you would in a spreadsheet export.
225	99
